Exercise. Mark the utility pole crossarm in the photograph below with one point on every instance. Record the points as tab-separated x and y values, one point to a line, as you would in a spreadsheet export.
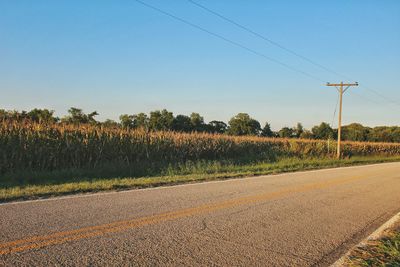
339	87
342	84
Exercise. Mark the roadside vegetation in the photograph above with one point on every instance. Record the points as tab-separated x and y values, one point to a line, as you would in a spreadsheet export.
29	149
240	124
384	252
50	184
41	155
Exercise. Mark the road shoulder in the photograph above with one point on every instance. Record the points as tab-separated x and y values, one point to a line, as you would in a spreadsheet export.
382	247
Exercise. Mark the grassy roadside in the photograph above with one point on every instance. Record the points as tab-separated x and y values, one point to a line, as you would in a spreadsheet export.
194	172
382	252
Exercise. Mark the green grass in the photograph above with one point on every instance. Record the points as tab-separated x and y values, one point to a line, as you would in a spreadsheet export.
61	183
384	252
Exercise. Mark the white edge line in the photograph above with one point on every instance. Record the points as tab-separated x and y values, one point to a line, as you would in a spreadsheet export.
374	236
82	195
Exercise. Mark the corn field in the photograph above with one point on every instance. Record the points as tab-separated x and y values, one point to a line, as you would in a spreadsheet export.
26	146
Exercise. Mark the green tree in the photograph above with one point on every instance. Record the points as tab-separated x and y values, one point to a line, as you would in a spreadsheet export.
306	134
266	131
161	120
395	134
217	127
141	121
355	132
323	131
42	116
243	124
76	116
298	130
126	121
182	123
197	122
384	134
286	132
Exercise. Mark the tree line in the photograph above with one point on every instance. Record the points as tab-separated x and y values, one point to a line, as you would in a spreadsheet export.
240	124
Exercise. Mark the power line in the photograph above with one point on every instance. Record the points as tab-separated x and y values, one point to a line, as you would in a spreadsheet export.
370	100
265	38
269	40
365	98
230	41
382	96
250	49
334	113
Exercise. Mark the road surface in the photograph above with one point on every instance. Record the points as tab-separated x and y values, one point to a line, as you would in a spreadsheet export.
296	219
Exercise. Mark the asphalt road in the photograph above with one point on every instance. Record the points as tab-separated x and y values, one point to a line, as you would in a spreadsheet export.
297	219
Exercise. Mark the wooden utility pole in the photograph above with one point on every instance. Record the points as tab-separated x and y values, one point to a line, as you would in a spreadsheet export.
339	87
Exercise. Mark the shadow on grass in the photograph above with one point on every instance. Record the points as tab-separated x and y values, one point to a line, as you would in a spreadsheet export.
33	185
115	170
246	167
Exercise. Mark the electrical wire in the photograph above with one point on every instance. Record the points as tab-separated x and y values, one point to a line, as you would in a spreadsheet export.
365	98
334	113
263	37
255	52
272	42
382	96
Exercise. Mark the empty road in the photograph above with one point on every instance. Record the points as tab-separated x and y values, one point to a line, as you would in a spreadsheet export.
296	219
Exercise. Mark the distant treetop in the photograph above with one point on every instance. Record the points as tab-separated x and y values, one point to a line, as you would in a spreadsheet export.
240	124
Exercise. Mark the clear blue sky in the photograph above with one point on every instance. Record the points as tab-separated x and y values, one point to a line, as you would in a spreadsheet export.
121	57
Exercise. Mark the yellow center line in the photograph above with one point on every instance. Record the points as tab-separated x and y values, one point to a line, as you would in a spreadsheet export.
97	230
